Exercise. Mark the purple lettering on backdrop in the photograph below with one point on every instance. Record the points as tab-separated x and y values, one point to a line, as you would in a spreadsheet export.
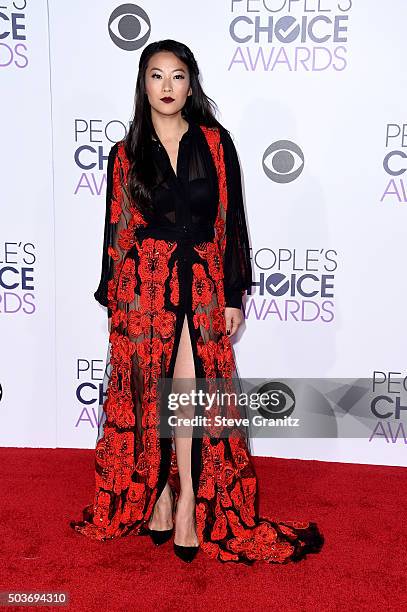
12	27
392	189
85	417
4	63
17	50
394	163
85	182
285	310
90	417
293	59
380	431
312	29
17	283
12	303
94	184
7	55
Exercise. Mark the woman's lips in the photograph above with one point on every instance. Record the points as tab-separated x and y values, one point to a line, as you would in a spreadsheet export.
167	100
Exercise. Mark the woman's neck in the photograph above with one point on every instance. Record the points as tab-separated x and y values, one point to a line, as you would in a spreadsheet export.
169	129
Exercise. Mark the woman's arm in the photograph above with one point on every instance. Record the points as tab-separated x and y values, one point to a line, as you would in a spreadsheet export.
117	238
108	238
237	261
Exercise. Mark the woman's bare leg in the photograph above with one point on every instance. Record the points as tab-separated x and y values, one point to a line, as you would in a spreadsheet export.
185	527
161	517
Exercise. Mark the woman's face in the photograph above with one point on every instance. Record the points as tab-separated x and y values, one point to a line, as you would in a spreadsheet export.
167	77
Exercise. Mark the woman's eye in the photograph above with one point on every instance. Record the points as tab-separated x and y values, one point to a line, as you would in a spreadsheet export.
177	76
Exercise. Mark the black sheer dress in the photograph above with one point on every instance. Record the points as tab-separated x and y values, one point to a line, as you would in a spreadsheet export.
187	202
190	258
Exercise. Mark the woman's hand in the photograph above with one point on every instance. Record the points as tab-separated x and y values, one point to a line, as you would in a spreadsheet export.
233	318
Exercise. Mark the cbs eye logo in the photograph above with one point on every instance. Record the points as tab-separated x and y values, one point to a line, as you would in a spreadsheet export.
129	27
283	161
281	400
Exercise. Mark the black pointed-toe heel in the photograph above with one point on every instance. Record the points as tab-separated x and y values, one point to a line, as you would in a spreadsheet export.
186	553
160	537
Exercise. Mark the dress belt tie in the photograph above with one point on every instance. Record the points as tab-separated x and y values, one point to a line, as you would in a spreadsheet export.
177	233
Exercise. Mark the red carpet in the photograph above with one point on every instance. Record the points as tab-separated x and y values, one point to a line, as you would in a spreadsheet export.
359	509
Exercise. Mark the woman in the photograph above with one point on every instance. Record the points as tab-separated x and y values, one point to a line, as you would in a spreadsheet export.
176	263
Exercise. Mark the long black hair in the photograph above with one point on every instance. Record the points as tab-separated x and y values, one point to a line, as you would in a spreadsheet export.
138	142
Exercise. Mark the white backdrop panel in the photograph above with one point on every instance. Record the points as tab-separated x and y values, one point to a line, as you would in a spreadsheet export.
329	99
27	268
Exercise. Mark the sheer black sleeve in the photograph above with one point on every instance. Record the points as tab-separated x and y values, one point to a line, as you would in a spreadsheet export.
237	262
110	235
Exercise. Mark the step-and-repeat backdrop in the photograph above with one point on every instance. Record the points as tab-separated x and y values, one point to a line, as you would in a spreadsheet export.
313	92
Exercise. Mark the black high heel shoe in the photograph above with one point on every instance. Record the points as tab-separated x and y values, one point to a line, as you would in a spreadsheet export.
186	553
161	537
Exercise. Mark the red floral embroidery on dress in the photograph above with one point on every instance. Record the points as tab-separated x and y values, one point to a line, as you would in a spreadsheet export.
207	477
151	296
174	286
136	218
135	501
164	323
120	411
201	318
218	320
210	252
138	323
118	318
207	353
111	292
127	281
153	270
167	350
226	363
220	227
112	252
114	457
202	286
115	211
154	256
126	238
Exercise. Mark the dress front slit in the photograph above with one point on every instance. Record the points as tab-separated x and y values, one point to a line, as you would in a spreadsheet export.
184	313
